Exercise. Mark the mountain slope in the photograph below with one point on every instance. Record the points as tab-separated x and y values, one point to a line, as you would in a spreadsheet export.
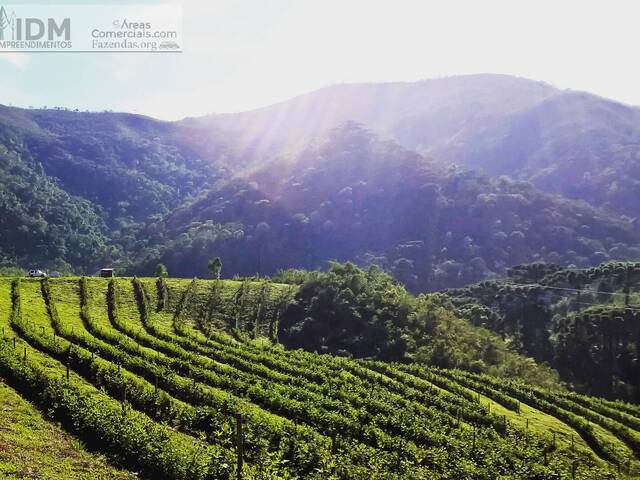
353	196
143	191
575	144
130	166
423	116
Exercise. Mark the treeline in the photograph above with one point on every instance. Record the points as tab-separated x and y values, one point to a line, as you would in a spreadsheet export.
583	322
367	314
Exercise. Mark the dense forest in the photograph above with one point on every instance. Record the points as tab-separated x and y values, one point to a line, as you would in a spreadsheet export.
583	322
366	314
352	196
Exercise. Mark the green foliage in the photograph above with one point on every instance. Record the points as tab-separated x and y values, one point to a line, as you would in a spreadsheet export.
34	444
583	322
350	311
215	267
132	437
161	271
11	272
81	191
352	196
42	224
307	416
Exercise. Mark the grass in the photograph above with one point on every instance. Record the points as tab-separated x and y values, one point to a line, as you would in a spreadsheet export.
33	447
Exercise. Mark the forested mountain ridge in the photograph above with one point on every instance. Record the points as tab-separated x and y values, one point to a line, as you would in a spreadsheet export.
353	196
145	191
166	192
118	171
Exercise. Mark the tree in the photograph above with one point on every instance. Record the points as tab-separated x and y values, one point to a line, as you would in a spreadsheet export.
161	271
215	267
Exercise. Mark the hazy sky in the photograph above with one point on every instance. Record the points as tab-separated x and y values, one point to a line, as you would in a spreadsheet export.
242	54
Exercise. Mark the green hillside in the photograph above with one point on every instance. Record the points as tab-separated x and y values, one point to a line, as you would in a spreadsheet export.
126	366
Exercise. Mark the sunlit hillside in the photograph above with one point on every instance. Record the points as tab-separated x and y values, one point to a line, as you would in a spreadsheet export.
125	365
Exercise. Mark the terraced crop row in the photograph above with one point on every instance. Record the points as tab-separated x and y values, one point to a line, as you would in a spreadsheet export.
141	355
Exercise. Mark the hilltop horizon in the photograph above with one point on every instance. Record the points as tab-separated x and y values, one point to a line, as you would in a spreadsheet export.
324	88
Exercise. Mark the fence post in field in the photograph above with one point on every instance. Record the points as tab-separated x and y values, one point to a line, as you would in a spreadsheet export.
239	445
474	438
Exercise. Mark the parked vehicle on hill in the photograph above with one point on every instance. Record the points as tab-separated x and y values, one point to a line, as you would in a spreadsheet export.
107	273
37	273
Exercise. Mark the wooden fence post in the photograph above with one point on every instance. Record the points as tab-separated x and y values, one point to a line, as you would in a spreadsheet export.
239	445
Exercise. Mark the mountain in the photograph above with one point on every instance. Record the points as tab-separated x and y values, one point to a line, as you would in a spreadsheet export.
144	191
353	196
77	186
572	143
285	187
426	116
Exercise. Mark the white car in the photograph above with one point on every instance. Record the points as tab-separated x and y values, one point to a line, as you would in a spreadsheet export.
37	273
